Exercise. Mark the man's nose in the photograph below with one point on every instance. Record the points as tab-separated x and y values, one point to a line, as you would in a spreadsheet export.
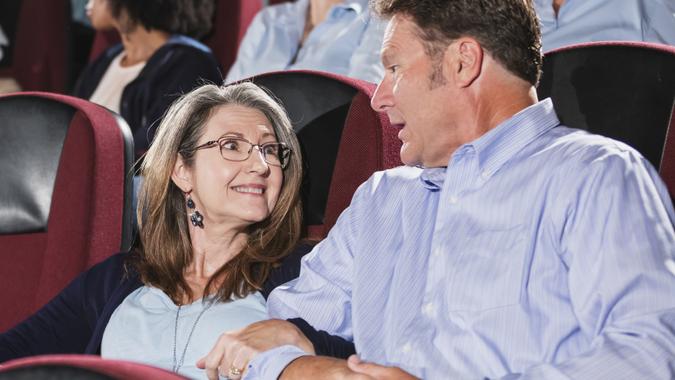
382	98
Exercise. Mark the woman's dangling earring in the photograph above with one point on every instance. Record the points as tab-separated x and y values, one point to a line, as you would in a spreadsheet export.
196	217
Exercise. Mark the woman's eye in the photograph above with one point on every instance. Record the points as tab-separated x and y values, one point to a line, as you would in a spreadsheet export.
271	150
393	68
230	145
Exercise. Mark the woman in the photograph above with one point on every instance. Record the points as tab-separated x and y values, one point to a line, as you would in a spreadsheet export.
155	62
337	36
220	208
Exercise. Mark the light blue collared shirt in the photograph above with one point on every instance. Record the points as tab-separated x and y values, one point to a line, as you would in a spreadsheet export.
537	254
347	42
606	20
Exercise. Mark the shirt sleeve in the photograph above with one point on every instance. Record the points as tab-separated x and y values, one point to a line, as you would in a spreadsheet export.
365	62
660	23
321	295
616	236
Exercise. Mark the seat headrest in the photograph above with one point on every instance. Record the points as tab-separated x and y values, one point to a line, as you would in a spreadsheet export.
32	134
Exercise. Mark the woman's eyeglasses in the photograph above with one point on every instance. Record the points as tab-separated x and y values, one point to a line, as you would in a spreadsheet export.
239	149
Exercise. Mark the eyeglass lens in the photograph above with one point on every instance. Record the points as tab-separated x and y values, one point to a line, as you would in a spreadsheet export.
239	150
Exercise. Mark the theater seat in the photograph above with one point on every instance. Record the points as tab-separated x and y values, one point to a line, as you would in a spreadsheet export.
41	52
623	90
230	23
80	367
64	195
343	140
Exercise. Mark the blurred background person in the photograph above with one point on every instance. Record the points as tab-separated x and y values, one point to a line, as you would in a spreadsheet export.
569	22
157	60
338	36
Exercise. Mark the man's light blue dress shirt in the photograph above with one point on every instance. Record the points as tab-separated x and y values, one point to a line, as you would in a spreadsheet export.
537	254
347	42
606	20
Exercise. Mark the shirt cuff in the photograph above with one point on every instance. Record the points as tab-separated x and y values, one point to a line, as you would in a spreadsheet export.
270	364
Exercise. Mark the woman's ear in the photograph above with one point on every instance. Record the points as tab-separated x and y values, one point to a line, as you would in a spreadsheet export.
181	175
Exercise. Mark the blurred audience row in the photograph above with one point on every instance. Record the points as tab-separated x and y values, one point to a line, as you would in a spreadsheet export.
160	55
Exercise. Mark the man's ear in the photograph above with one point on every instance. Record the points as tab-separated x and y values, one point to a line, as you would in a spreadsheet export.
181	175
465	59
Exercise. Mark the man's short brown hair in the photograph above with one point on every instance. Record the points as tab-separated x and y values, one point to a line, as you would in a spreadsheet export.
507	29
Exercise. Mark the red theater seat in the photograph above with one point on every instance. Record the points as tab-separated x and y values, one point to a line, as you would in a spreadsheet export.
624	90
343	140
80	367
64	195
41	59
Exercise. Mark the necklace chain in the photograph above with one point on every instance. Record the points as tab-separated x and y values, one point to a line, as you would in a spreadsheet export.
176	363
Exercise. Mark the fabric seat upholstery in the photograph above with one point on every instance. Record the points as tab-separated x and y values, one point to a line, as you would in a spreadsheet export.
623	90
343	139
64	196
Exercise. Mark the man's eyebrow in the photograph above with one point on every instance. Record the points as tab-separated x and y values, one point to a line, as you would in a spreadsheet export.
386	56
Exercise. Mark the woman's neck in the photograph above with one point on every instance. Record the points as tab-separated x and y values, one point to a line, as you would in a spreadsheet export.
140	44
212	248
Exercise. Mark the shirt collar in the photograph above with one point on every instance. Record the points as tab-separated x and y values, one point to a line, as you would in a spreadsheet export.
432	178
357	6
500	144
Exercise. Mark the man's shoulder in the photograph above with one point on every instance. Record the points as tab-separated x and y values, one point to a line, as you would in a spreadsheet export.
569	150
578	146
394	177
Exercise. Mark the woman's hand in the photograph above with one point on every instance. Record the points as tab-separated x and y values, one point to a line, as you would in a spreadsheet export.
235	349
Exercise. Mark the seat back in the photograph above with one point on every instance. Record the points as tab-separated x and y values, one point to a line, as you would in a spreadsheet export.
64	196
343	140
41	53
90	367
623	90
229	26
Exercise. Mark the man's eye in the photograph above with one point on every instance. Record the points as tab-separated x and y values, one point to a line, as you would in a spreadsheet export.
230	145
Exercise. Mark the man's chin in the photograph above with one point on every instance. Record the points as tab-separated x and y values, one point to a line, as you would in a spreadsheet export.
409	159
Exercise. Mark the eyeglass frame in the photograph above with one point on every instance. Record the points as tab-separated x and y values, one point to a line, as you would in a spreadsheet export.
212	143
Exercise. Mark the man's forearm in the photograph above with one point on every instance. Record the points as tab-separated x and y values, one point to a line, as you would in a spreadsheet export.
316	367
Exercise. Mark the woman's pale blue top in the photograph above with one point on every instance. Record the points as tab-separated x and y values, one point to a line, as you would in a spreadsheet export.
142	328
347	42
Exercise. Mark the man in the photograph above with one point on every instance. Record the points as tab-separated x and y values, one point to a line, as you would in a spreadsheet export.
510	246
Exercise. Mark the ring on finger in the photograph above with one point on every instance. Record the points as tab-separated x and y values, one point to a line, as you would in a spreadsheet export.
234	372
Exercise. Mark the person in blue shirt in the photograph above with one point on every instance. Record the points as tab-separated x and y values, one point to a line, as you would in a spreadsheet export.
569	22
337	36
509	246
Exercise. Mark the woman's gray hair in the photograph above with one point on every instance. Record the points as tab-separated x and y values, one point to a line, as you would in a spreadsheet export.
161	213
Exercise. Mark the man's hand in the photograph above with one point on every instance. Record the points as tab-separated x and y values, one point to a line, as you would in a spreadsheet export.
320	367
377	371
235	349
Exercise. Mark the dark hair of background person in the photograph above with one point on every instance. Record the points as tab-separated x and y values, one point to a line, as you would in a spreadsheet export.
192	18
165	247
507	29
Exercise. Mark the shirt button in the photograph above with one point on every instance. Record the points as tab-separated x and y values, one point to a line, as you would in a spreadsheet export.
485	174
453	199
406	348
436	252
428	309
